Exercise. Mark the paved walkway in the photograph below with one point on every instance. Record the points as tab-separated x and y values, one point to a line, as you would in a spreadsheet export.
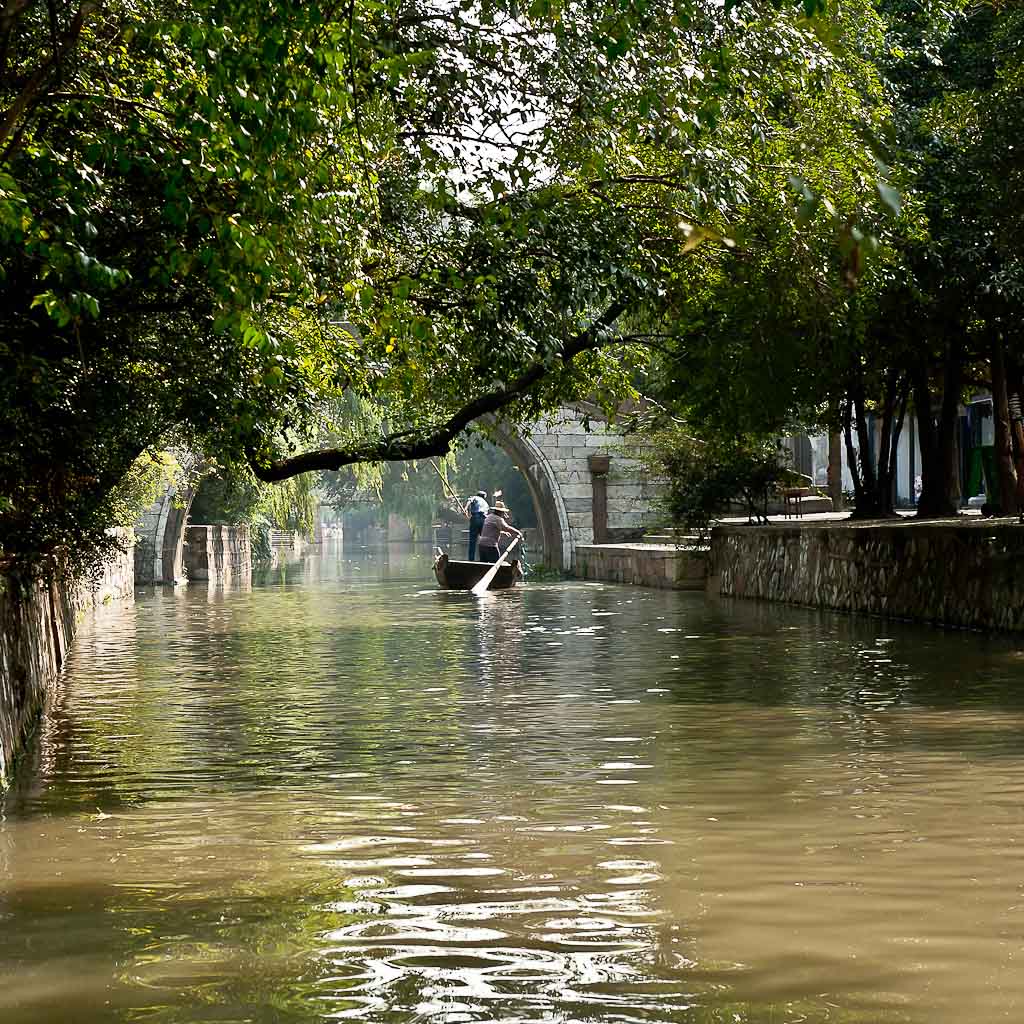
672	540
810	517
970	516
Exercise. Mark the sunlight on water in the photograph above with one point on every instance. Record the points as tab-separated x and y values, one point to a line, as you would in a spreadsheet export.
344	795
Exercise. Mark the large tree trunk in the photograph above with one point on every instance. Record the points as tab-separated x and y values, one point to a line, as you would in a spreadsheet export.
835	471
901	398
852	456
1005	469
1015	385
874	472
937	439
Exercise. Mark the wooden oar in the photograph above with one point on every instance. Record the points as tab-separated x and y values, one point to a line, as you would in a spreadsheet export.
485	581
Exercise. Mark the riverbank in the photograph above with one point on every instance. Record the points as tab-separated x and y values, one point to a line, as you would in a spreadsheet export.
36	632
965	573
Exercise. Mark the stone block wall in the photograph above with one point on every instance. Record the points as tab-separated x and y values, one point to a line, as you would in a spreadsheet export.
967	573
114	581
219	554
565	444
36	631
647	565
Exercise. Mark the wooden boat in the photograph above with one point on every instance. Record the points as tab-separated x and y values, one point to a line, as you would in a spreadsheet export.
455	575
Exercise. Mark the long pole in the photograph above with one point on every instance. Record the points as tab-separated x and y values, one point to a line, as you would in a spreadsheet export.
444	483
485	581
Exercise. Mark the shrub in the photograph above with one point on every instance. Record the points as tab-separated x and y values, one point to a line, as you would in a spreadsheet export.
708	476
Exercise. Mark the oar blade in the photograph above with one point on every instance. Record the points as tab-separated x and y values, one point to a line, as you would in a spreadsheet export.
485	581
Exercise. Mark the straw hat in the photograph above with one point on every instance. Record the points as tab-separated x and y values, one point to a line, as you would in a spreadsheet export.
501	508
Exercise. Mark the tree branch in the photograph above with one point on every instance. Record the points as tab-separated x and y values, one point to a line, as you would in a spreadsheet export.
33	89
10	13
100	97
431	442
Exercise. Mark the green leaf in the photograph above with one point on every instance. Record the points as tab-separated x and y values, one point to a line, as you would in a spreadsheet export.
890	198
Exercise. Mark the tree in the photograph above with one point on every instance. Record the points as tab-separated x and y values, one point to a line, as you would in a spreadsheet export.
767	333
920	299
958	96
223	216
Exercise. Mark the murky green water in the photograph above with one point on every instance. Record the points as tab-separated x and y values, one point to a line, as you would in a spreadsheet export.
345	795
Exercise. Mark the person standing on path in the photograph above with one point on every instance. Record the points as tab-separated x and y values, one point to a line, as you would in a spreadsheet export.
496	526
476	509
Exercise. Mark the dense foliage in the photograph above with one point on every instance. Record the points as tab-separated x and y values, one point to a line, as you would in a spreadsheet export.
710	476
912	310
219	215
236	497
231	218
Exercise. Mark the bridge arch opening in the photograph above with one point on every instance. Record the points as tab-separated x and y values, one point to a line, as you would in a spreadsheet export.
160	537
548	502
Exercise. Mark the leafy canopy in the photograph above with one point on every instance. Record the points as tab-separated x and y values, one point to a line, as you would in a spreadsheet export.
224	217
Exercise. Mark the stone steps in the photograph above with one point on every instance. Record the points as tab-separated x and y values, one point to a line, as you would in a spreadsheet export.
649	565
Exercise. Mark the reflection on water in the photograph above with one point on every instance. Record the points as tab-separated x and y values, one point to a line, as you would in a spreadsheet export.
346	795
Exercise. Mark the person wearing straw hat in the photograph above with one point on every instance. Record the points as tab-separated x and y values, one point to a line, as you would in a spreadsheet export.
476	510
496	525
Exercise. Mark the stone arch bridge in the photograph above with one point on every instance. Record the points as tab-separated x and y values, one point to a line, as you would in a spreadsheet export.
584	475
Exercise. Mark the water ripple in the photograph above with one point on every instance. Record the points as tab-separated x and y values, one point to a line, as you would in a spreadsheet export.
339	796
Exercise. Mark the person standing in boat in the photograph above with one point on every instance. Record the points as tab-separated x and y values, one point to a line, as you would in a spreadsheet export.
496	525
476	510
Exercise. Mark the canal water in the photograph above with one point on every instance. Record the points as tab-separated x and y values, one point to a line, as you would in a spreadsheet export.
346	795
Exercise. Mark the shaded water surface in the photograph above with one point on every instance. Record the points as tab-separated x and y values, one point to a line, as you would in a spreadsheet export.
344	795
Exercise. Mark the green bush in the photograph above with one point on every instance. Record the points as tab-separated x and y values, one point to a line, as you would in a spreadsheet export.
706	477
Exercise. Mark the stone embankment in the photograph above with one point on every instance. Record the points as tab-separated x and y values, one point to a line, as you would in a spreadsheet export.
968	573
219	554
663	565
36	631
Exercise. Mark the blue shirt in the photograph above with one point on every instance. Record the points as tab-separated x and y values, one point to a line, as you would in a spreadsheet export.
477	506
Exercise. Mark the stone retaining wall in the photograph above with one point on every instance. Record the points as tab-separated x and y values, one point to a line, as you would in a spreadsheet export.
36	631
968	573
288	545
220	554
647	565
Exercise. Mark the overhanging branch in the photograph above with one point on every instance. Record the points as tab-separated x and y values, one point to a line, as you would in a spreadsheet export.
432	442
